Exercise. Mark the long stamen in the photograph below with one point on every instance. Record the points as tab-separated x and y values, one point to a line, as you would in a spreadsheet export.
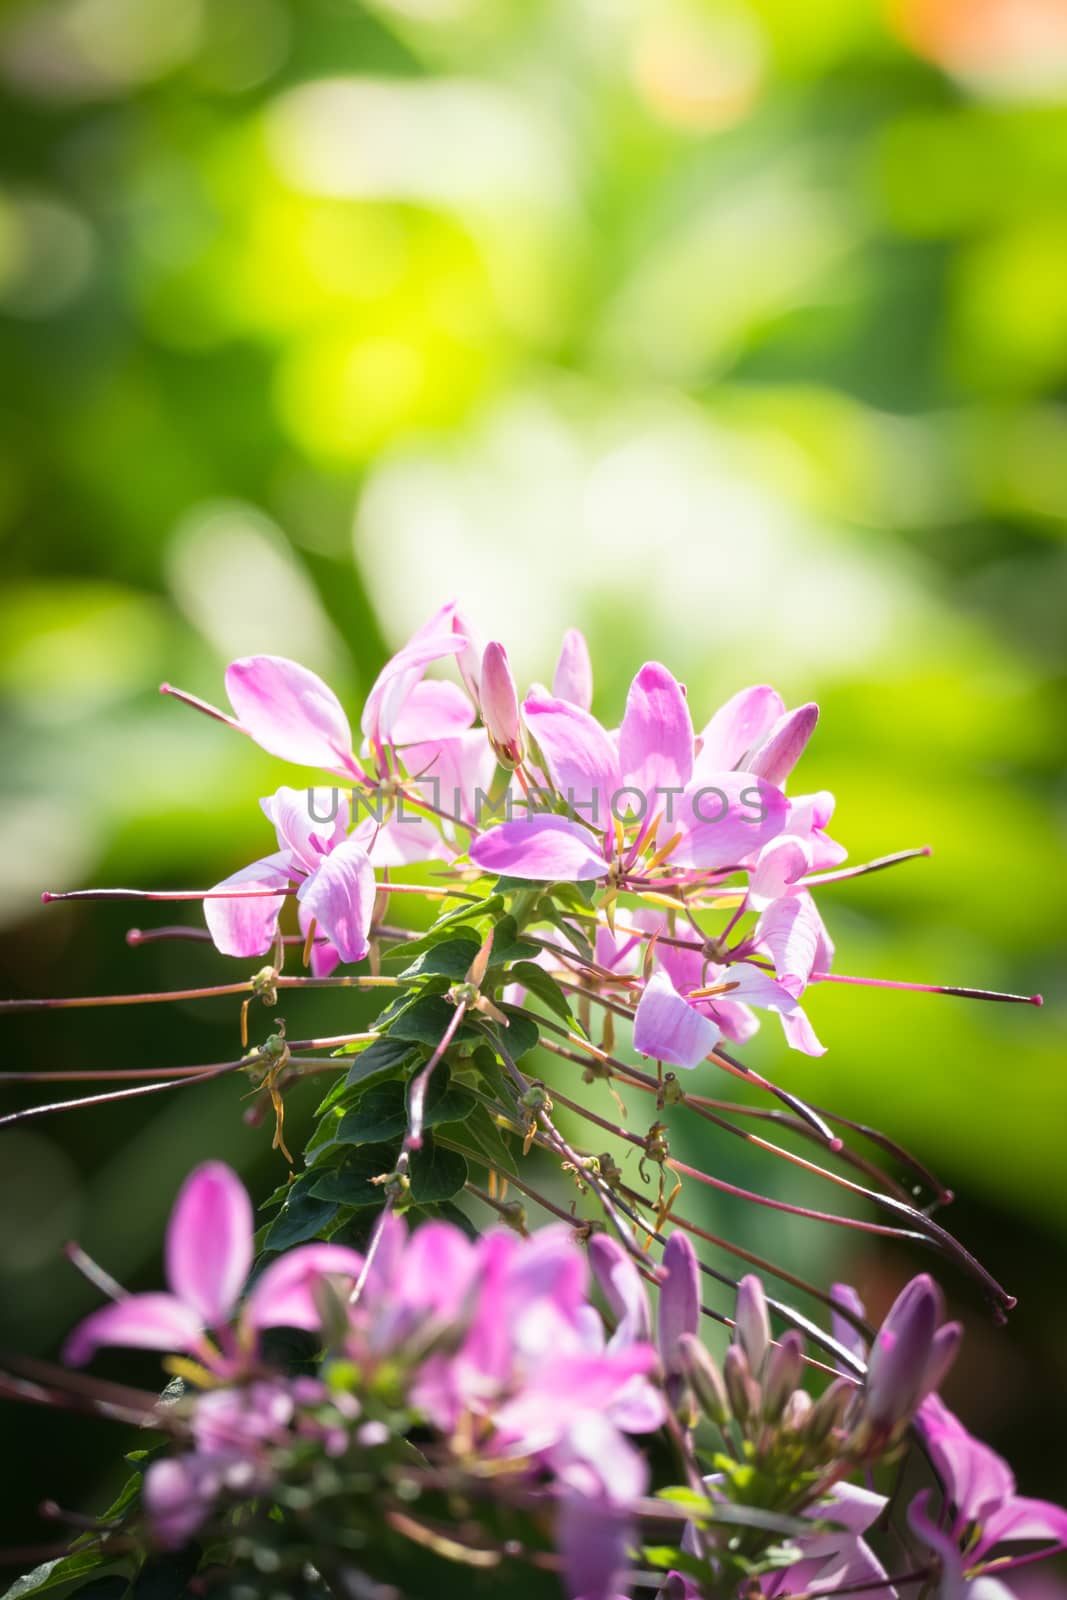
930	988
96	1275
48	895
839	874
202	705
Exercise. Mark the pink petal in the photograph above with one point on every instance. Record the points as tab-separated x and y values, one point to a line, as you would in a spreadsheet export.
755	987
977	1480
340	897
725	820
623	1289
283	1297
783	747
179	1493
777	868
852	1507
593	1537
790	931
799	1033
952	1585
436	1271
440	637
325	957
289	711
545	848
668	1028
656	737
573	678
738	725
406	839
208	1249
809	817
1022	1518
141	1321
469	659
435	709
738	1022
845	1295
451	775
309	822
246	924
580	756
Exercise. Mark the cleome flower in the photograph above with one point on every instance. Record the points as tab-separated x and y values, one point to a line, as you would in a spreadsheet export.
208	1254
635	800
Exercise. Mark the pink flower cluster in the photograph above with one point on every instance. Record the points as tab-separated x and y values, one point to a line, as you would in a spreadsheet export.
647	806
498	1345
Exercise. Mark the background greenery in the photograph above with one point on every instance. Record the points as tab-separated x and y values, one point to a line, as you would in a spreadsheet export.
734	331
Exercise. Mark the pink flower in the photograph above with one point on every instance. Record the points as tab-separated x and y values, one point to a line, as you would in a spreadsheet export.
643	779
535	1362
986	1513
292	714
839	1559
208	1255
335	878
690	1003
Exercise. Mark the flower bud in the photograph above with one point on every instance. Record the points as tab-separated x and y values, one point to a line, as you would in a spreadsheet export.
752	1328
831	1408
702	1372
741	1387
797	1411
679	1298
909	1355
785	1368
500	706
943	1350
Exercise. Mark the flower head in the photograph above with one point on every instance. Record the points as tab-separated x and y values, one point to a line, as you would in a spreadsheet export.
208	1255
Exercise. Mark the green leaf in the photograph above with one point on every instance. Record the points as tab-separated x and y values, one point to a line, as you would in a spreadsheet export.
483	1131
303	1217
544	986
520	1036
436	1173
451	958
379	1114
52	1573
507	944
412	948
349	1183
573	935
383	1059
425	1022
382	1112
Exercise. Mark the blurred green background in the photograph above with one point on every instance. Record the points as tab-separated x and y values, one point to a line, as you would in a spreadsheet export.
733	331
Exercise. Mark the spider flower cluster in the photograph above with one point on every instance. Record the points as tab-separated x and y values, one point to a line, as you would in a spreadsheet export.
617	904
